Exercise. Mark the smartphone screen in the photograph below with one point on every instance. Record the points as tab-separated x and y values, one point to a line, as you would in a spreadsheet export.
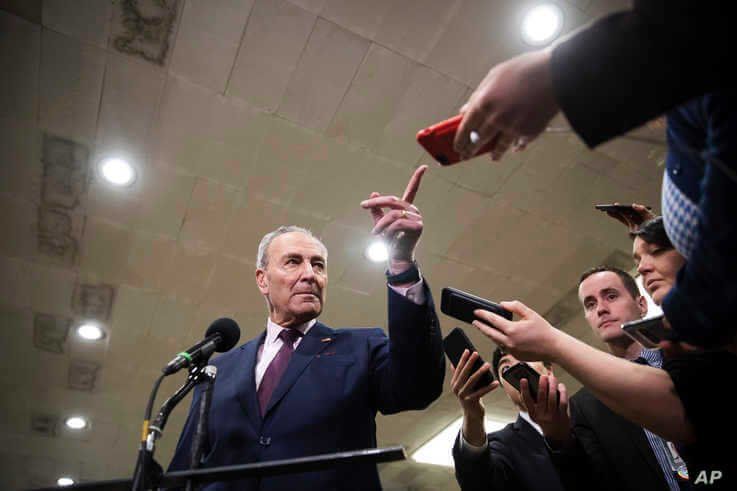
454	344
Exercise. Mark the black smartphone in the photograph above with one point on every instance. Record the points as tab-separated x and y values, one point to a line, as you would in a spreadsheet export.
454	344
648	332
460	304
516	373
626	210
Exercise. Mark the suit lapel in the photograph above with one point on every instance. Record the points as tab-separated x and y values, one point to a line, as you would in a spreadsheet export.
526	430
637	435
312	344
247	380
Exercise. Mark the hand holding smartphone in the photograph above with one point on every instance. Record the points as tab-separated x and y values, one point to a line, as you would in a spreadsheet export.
454	344
438	141
648	332
630	215
460	305
516	373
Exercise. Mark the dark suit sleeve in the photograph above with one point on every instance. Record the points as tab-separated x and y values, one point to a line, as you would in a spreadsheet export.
485	472
572	462
407	370
632	66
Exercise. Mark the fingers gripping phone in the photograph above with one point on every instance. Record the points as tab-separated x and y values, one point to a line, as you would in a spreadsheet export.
438	141
460	305
627	211
454	344
648	332
516	373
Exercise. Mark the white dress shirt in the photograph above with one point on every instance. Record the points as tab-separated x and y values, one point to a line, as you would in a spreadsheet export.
472	449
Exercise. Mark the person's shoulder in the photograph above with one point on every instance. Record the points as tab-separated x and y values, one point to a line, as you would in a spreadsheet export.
700	361
229	356
502	436
583	397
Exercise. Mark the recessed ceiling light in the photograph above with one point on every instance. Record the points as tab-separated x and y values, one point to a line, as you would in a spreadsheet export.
542	24
90	332
377	251
64	481
118	172
75	423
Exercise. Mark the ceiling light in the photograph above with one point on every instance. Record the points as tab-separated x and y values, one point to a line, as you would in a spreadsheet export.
76	423
90	332
542	24
118	172
377	251
64	481
439	449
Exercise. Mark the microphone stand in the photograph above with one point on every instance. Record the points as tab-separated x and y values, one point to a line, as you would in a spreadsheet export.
148	472
207	378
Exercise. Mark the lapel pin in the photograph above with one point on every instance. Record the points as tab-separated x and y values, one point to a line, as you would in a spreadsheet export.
326	340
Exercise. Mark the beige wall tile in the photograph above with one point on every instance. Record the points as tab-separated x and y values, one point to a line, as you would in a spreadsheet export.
233	281
20	49
363	18
414	29
208	212
188	274
71	82
20	159
326	68
130	99
105	250
372	98
272	44
84	20
208	39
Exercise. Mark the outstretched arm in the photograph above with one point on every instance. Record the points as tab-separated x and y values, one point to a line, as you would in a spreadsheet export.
642	394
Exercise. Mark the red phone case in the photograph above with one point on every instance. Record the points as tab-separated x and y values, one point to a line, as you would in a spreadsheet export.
438	141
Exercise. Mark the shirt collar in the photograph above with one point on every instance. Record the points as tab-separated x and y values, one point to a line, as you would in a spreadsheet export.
524	415
273	329
654	357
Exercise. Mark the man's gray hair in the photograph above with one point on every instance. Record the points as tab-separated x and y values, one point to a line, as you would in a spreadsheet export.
262	259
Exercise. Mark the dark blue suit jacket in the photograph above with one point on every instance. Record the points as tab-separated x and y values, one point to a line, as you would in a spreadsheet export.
326	401
516	459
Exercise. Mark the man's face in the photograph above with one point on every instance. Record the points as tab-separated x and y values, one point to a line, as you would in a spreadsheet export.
658	267
508	361
607	305
295	279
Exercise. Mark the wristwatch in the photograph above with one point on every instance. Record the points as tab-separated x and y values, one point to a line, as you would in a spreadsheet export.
410	275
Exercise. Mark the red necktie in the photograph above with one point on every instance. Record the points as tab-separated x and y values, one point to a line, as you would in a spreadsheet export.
277	367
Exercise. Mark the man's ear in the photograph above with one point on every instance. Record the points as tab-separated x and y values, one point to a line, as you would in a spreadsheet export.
642	305
261	282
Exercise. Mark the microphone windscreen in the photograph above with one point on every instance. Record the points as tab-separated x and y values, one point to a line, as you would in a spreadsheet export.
228	330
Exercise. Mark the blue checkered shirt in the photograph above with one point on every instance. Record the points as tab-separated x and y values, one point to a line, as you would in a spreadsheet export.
680	217
654	358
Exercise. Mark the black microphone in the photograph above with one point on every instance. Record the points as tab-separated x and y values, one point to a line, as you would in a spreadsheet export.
222	335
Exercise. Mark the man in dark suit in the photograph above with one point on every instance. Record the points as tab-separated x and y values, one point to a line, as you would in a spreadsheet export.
513	458
600	449
302	388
